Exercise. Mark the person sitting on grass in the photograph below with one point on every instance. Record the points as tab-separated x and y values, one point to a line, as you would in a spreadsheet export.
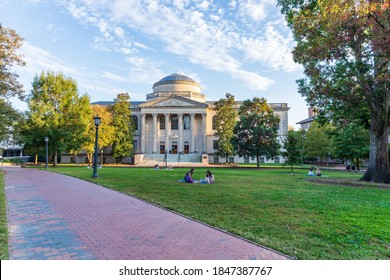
318	172
311	172
209	178
188	176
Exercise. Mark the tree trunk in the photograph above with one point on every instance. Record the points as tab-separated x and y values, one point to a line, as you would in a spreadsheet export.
357	164
378	166
258	161
55	158
36	159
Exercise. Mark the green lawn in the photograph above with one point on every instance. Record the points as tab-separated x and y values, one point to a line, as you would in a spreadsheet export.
287	213
3	221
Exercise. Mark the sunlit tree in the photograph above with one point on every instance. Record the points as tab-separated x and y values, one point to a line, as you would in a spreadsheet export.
344	47
256	131
225	120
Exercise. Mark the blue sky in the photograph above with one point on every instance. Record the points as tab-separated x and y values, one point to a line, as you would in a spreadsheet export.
110	46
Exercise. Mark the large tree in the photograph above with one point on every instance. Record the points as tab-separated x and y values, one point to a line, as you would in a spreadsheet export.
10	42
225	120
106	131
256	131
58	111
344	47
122	122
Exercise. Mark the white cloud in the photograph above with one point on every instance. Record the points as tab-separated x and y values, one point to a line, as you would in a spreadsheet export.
257	10
113	76
273	50
38	60
190	30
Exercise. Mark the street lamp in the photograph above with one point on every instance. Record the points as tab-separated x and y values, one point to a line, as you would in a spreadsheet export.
47	151
97	123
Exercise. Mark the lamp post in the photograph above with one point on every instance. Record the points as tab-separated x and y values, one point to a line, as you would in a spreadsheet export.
97	123
47	151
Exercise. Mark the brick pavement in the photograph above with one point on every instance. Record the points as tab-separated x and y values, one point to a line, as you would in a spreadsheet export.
52	216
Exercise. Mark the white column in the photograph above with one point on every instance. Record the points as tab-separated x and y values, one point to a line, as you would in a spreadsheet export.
204	132
192	132
167	131
143	132
155	133
180	145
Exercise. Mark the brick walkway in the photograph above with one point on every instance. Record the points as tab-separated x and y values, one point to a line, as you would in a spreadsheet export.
52	216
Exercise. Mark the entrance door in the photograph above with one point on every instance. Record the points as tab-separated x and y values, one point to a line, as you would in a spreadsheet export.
162	149
174	149
186	149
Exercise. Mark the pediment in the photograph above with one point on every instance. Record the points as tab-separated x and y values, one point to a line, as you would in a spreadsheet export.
173	101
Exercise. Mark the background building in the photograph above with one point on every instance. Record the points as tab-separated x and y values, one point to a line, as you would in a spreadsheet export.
177	120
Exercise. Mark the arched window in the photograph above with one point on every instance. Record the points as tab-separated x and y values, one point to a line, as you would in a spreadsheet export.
214	123
135	122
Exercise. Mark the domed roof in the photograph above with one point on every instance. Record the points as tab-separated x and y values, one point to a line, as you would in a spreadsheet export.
175	78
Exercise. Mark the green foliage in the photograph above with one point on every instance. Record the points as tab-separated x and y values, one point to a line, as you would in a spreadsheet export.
122	122
255	134
351	142
316	143
56	110
226	119
10	119
293	148
106	131
343	46
10	42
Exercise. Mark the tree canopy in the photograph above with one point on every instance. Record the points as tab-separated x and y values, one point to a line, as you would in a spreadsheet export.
225	120
317	143
10	42
57	111
122	122
344	47
106	131
256	131
351	142
293	148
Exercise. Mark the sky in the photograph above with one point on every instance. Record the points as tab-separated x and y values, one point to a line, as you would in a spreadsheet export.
242	47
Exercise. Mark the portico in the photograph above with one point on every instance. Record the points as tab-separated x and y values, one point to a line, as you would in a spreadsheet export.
182	131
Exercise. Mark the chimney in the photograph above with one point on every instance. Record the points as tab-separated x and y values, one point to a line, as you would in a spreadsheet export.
311	113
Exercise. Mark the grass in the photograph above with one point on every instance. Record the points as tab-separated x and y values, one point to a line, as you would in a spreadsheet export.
3	221
288	213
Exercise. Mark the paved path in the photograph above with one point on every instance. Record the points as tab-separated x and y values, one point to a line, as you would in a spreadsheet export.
52	216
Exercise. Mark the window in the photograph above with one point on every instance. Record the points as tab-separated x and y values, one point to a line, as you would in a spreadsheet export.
135	145
262	159
214	123
175	122
246	159
231	159
216	159
135	121
162	122
215	144
277	159
186	122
